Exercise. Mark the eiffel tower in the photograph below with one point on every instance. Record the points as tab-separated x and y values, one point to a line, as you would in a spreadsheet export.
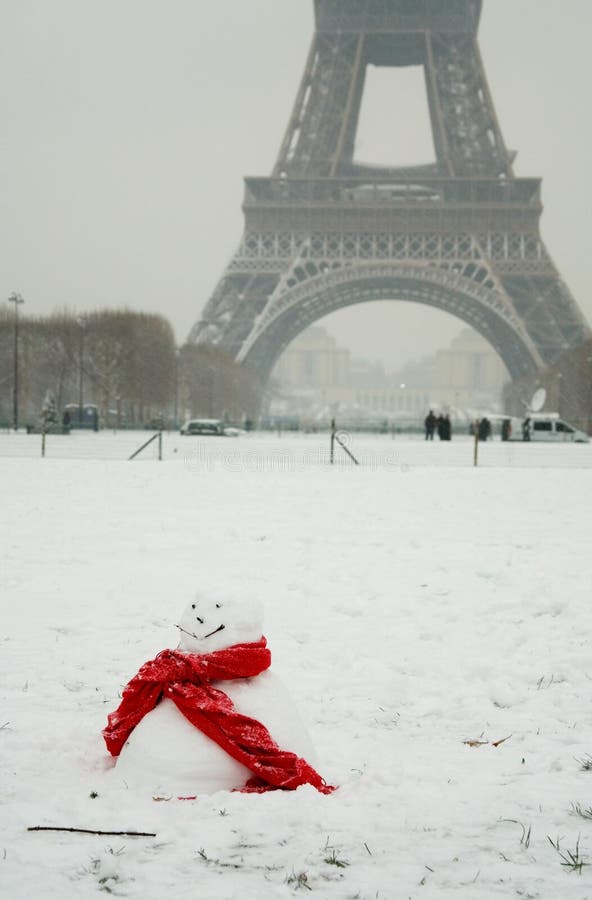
324	232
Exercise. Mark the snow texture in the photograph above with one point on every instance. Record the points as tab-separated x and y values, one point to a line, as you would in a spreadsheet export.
410	608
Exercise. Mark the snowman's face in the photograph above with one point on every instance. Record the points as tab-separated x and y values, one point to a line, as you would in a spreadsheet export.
212	623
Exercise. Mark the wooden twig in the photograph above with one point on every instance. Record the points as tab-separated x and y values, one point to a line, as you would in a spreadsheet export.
189	633
92	831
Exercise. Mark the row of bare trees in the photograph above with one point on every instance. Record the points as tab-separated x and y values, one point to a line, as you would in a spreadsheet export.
124	362
568	384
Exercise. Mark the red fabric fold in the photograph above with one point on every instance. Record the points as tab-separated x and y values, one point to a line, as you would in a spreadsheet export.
185	678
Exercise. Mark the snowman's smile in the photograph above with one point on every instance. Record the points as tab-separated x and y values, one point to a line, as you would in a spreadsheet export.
215	631
202	637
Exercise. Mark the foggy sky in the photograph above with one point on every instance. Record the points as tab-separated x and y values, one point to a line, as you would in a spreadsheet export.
128	126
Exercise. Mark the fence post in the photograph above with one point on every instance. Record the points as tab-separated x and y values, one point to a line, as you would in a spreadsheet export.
476	449
160	444
332	454
43	429
345	447
144	445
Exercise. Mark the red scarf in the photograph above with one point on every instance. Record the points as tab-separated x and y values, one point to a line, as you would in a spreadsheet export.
185	679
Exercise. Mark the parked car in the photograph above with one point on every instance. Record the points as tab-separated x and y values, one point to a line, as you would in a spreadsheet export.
209	427
546	427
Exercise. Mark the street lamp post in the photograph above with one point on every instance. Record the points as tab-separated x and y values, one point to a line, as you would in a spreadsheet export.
588	382
211	372
17	300
559	392
177	366
81	324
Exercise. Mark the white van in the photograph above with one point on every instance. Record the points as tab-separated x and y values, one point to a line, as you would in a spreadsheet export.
546	427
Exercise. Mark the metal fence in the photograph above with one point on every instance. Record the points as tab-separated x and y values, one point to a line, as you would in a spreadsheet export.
260	451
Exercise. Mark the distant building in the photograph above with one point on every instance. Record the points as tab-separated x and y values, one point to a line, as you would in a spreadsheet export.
315	375
466	375
470	364
313	360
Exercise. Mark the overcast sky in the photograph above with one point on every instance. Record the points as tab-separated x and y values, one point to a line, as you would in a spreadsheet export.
128	125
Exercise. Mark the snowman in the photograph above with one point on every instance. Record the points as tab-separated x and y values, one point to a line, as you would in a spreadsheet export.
210	715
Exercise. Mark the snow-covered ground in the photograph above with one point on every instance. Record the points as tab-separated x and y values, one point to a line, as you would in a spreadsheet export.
413	604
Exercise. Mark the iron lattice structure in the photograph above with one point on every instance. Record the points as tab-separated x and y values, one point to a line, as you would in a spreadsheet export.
324	232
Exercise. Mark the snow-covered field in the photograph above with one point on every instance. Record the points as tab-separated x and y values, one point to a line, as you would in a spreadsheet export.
413	604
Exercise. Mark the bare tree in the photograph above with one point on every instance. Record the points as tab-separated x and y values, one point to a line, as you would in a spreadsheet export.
126	364
213	385
122	361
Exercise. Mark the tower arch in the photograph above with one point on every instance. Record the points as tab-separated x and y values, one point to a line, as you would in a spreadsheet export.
472	302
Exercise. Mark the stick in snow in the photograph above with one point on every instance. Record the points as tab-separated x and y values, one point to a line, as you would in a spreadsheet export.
92	831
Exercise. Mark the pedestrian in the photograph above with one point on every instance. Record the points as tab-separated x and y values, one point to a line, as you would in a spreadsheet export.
484	429
430	424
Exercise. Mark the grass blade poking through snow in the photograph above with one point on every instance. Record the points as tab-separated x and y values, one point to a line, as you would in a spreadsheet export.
570	859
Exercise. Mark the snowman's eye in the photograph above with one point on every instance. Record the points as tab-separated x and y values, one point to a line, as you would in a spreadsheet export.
218	606
193	606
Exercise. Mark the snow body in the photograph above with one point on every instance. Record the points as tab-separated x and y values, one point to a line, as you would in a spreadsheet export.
167	755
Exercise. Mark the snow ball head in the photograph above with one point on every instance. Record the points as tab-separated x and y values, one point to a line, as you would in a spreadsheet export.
212	623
